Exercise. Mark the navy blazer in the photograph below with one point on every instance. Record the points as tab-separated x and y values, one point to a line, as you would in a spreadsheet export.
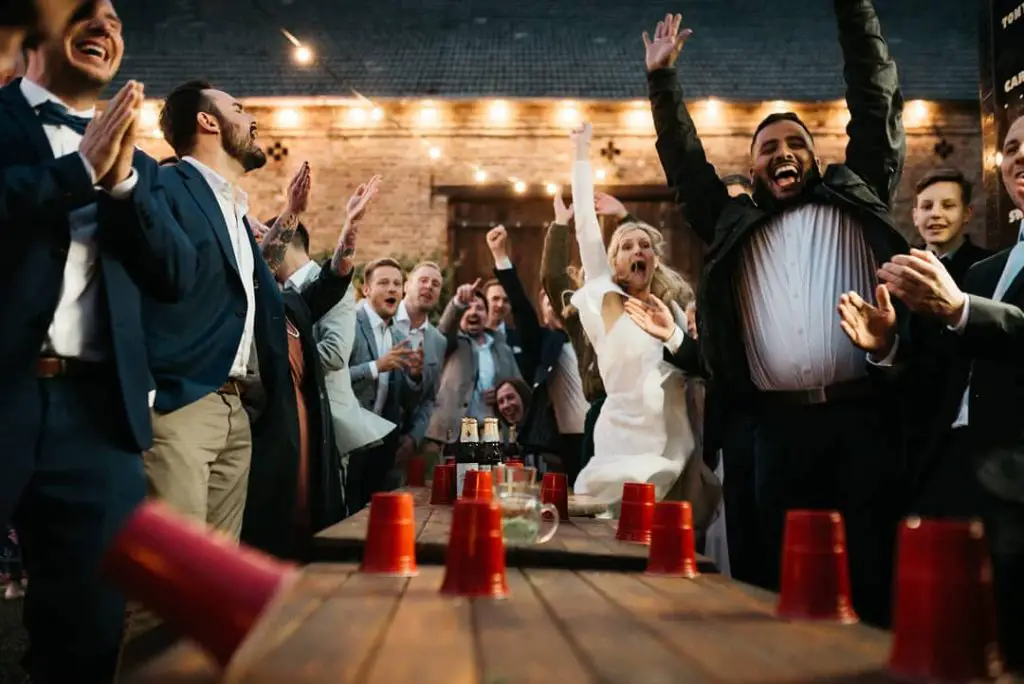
138	248
192	343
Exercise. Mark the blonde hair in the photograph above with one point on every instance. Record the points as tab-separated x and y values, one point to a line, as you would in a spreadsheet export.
667	284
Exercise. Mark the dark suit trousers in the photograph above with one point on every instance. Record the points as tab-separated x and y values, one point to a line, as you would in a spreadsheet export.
1004	527
68	480
846	456
949	486
738	492
371	471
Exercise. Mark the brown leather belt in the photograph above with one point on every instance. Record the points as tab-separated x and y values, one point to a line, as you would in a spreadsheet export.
840	391
233	388
57	367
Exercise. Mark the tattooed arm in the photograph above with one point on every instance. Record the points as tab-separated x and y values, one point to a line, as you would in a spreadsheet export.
344	255
277	238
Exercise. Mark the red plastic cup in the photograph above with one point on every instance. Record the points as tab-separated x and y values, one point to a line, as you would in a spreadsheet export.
637	513
416	475
513	464
449	460
815	582
673	544
478	485
554	490
475	561
200	582
390	547
441	487
944	622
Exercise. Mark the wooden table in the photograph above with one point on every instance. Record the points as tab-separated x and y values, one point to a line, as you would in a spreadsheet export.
579	544
341	626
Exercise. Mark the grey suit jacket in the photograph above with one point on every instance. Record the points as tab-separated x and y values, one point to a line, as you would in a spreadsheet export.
404	393
354	426
458	378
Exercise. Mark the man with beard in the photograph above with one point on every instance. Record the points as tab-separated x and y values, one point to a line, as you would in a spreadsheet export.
26	23
74	415
476	359
826	437
201	349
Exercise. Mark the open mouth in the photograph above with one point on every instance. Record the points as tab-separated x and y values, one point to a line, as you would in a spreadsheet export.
638	267
391	301
786	175
93	50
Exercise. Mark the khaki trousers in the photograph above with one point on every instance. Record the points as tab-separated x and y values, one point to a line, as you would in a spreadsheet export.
199	463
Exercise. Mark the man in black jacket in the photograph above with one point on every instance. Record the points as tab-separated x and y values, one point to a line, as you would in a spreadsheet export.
557	410
978	467
826	436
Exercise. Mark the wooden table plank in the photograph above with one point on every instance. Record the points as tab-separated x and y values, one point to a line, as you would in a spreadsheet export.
339	626
518	641
579	544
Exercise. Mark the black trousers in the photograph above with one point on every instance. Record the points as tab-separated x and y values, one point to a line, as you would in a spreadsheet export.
371	471
948	482
746	563
68	481
843	455
1004	527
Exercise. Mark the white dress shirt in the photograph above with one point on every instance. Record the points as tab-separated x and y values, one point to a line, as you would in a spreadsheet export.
402	319
485	372
234	205
297	279
792	273
79	329
384	340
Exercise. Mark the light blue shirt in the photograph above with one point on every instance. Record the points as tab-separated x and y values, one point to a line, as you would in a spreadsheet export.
485	371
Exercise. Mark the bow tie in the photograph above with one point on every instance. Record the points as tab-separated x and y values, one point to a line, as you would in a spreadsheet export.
53	114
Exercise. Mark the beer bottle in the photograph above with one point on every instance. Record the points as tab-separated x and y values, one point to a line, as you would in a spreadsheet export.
468	453
450	452
513	452
491	455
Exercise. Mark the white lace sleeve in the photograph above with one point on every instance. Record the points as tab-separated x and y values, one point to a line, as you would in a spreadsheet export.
588	228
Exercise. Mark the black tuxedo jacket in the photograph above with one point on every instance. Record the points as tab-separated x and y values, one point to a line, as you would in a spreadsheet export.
962	260
140	251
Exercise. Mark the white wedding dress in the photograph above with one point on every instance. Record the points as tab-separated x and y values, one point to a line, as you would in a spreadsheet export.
643	432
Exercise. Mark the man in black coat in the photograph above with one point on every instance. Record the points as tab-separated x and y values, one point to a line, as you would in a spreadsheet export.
88	236
775	268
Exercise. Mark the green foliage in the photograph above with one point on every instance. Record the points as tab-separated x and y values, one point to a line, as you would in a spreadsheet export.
448	286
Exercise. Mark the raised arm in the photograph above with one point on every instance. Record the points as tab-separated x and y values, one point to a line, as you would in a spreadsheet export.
275	240
699	191
878	144
527	323
451	317
588	228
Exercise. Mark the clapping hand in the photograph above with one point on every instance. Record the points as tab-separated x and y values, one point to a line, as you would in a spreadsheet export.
362	197
921	282
652	316
104	139
872	328
299	190
606	205
668	42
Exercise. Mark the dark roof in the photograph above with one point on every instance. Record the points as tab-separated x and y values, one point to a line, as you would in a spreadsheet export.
741	49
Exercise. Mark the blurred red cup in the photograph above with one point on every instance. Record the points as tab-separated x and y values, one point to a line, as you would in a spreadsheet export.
673	544
441	486
944	621
636	515
390	547
554	490
475	560
478	485
815	583
417	472
200	582
513	464
449	460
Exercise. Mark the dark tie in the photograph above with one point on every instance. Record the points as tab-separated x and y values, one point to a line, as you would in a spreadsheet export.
53	114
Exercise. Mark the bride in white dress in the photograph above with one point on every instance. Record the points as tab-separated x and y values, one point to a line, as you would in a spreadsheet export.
643	433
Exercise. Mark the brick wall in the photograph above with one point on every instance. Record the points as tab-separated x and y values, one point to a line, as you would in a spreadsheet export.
533	147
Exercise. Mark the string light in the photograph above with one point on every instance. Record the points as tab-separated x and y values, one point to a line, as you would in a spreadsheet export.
480	176
915	113
600	174
428	115
779	106
149	117
286	117
498	112
568	115
377	114
303	55
435	153
551	188
357	115
519	186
